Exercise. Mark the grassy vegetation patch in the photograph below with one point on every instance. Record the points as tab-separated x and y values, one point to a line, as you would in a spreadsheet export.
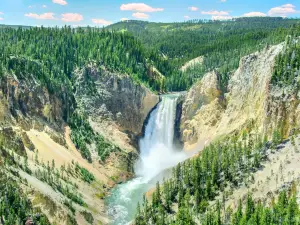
88	217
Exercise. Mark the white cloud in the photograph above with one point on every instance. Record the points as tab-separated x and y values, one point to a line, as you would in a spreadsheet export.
215	13
44	16
71	17
1	13
31	6
124	19
44	6
283	10
101	22
186	17
140	15
1	18
60	2
254	14
223	0
193	8
139	7
222	17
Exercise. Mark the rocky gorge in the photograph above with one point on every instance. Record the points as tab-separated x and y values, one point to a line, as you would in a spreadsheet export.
33	125
117	109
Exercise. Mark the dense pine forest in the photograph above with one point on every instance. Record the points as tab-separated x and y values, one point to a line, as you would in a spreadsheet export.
283	211
52	54
15	207
287	67
221	43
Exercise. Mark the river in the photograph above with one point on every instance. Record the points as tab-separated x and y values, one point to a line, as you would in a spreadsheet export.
157	153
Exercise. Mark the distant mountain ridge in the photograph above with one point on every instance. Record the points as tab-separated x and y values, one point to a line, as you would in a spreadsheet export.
221	43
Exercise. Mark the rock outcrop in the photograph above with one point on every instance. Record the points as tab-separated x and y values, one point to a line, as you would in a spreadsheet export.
251	100
116	105
27	103
201	110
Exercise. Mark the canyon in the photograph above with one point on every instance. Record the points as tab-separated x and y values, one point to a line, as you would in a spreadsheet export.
89	152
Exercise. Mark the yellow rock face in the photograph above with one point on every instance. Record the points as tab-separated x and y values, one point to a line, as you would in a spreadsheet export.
207	115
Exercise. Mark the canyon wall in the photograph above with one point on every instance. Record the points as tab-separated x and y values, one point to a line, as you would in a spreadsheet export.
34	123
251	101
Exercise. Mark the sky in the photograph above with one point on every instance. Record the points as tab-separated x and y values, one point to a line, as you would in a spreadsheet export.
104	12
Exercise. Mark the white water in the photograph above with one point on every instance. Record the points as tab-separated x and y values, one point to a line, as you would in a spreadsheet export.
157	153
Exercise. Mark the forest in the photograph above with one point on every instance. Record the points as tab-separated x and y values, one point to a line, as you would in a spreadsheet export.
287	67
52	54
134	47
221	43
191	195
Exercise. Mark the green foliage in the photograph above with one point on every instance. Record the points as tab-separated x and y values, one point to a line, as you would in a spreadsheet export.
197	181
287	67
222	43
88	216
69	204
104	148
71	220
83	135
285	211
52	54
52	178
15	207
276	137
85	174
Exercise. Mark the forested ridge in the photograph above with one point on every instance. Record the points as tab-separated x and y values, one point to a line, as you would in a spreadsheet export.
221	43
15	207
52	54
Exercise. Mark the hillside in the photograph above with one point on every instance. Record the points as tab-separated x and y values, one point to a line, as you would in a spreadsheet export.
221	43
65	138
249	141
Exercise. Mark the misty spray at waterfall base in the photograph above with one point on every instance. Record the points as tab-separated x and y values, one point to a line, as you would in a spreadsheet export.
157	153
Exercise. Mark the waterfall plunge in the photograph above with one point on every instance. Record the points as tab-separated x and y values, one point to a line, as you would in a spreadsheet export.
157	153
157	149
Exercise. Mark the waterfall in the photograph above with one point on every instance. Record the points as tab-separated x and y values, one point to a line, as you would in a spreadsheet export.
157	149
157	153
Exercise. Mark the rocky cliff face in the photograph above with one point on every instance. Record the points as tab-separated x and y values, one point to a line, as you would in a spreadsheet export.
201	111
117	106
34	132
251	101
28	102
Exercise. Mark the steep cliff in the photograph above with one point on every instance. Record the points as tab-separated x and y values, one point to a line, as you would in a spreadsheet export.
117	106
251	102
201	111
26	104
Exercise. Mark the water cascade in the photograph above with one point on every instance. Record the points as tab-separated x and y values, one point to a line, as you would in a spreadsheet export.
157	153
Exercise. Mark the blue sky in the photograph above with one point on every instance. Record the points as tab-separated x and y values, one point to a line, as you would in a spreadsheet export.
104	12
